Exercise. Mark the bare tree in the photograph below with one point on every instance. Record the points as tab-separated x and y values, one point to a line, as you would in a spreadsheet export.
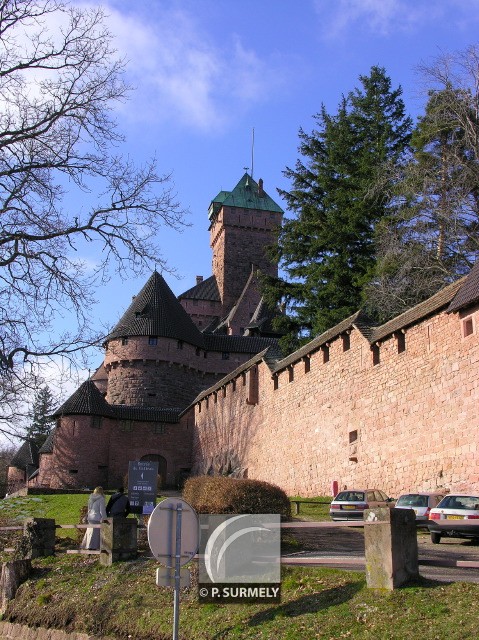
431	236
63	187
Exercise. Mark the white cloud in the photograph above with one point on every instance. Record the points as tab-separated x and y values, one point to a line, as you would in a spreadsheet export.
380	17
182	76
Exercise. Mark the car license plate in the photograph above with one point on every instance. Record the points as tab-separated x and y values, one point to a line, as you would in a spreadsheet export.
348	506
454	518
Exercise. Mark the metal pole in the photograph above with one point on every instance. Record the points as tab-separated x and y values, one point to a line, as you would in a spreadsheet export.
176	597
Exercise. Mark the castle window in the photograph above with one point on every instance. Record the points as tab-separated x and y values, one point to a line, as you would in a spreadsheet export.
325	351
346	339
96	422
159	429
401	341
253	387
72	471
353	436
275	382
467	327
376	354
124	341
102	467
152	340
126	425
290	374
195	303
307	364
179	344
225	355
198	351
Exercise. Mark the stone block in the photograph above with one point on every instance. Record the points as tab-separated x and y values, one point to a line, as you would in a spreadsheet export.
118	540
391	552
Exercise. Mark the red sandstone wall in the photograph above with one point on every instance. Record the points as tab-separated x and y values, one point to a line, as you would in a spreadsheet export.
415	414
202	312
87	457
80	454
239	238
162	375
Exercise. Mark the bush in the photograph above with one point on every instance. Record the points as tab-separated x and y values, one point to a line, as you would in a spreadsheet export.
210	494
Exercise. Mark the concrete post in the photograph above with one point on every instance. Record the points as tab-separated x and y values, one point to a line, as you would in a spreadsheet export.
390	543
38	538
118	540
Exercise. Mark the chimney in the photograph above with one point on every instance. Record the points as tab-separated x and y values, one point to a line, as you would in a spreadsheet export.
260	188
199	279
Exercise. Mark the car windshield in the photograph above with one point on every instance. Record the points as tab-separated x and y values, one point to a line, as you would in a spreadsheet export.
350	496
459	502
412	500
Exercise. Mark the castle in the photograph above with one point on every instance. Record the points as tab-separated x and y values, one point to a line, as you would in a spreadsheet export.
198	384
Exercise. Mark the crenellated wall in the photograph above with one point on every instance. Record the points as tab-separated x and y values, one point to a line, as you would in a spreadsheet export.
399	416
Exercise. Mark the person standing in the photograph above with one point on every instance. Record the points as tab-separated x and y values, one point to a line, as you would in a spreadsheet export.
95	515
118	504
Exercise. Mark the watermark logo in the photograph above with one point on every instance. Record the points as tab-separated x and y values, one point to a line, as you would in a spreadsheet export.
240	558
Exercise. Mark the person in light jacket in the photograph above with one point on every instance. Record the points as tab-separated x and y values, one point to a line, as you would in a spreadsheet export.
95	515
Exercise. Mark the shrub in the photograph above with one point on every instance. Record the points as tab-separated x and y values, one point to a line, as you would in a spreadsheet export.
211	494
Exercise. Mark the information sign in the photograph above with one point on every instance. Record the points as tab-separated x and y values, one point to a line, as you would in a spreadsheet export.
142	485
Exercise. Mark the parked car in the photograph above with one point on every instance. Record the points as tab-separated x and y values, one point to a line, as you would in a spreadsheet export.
456	516
421	502
351	503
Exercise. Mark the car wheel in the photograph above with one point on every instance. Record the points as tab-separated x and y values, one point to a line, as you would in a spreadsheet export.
435	537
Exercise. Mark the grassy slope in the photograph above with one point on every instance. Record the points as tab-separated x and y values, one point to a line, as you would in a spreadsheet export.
77	593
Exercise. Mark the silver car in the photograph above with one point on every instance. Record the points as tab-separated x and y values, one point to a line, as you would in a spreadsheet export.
351	503
456	516
421	502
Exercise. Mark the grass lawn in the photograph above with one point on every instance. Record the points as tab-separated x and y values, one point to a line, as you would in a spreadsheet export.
76	593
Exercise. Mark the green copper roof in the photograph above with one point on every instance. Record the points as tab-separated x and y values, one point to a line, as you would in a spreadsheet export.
247	194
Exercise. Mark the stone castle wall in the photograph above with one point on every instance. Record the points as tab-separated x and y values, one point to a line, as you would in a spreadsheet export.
87	455
170	373
403	418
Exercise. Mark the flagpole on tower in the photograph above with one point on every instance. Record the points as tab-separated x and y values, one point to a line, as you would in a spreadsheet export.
252	154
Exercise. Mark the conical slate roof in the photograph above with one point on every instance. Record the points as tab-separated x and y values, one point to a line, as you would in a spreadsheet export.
87	400
156	311
248	195
26	456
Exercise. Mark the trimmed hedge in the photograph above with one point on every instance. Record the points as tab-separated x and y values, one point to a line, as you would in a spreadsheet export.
219	494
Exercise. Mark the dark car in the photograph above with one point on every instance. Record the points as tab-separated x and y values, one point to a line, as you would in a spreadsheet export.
421	503
351	503
456	516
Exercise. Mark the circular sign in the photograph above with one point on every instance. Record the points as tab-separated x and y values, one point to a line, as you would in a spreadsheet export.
163	525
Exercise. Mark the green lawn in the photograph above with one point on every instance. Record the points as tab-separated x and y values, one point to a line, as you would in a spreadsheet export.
78	594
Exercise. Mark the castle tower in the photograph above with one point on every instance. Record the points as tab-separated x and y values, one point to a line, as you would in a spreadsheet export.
242	226
154	355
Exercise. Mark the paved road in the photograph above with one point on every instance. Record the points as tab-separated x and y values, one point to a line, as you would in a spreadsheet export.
346	546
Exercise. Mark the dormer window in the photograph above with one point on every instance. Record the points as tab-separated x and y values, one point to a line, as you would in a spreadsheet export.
153	340
124	341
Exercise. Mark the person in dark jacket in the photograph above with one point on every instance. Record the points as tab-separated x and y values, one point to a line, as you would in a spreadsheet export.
118	504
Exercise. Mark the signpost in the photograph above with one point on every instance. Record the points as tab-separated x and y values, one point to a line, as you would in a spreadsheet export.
173	536
142	485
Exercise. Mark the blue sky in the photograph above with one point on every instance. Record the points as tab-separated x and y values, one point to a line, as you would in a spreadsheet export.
206	72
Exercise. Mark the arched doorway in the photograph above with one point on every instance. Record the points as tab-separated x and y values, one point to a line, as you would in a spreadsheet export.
162	466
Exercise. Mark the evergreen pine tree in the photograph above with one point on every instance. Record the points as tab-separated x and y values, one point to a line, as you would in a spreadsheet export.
40	426
328	251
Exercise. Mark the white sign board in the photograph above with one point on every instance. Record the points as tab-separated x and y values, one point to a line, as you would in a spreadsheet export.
162	531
